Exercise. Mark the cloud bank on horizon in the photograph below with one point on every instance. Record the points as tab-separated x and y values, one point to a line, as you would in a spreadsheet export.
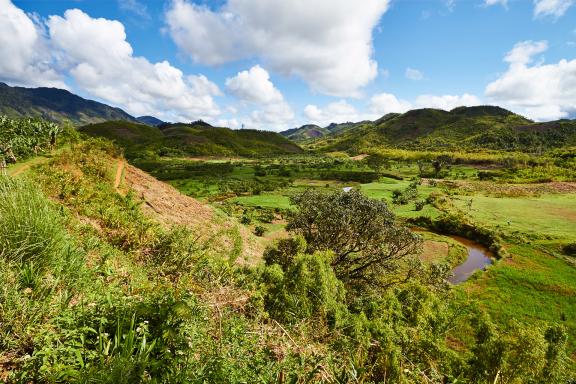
327	62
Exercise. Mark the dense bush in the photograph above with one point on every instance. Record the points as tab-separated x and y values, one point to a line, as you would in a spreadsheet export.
362	233
25	137
570	249
306	288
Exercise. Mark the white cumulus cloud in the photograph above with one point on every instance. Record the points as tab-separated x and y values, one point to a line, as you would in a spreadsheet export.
384	103
381	104
540	91
101	61
413	74
523	52
446	102
336	112
552	8
25	58
328	43
254	85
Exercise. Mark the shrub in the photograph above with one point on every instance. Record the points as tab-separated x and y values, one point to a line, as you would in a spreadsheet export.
174	251
259	230
31	228
419	205
246	220
266	216
284	251
306	289
570	249
362	233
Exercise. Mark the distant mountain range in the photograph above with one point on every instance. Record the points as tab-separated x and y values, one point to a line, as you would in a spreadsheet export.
60	105
57	105
486	127
312	131
150	120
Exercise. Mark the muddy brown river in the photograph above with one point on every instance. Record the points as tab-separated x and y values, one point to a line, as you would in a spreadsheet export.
478	258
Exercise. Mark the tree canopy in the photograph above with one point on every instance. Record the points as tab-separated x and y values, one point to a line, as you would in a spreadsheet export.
363	233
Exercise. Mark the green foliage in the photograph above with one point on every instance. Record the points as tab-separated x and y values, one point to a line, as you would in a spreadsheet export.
520	355
259	230
56	105
403	197
174	251
145	142
121	299
284	251
367	242
305	289
569	249
468	128
31	228
21	138
458	224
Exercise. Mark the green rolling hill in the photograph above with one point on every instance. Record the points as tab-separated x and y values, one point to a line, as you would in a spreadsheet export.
150	120
194	139
463	128
309	132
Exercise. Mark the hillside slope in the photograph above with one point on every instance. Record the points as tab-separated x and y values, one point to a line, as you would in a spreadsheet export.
467	128
191	139
150	120
167	205
56	105
310	132
305	132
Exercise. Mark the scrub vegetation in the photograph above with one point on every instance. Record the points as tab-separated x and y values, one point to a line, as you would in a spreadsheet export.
300	267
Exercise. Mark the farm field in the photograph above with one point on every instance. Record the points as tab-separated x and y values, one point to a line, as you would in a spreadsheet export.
534	284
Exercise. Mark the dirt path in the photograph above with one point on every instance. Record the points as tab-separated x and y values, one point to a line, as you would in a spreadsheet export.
23	167
20	170
118	177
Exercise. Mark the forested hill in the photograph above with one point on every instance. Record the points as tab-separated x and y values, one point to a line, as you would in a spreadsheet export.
465	128
56	105
196	138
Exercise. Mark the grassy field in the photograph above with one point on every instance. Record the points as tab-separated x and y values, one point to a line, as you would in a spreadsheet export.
533	286
552	215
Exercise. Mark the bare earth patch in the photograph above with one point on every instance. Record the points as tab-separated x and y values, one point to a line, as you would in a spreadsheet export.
434	251
167	205
506	189
359	157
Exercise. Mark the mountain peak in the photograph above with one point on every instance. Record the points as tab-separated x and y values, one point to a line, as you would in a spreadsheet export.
481	110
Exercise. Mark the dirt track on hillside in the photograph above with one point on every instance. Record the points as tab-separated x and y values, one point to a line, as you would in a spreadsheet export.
118	177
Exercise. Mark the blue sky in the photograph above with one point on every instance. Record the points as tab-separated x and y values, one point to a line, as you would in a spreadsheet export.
275	65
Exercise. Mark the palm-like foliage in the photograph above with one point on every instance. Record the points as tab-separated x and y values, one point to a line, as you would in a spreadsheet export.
26	136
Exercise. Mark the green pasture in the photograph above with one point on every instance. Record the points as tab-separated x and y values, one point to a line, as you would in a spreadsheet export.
552	215
533	286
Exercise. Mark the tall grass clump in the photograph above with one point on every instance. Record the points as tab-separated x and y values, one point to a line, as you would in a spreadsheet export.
31	228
